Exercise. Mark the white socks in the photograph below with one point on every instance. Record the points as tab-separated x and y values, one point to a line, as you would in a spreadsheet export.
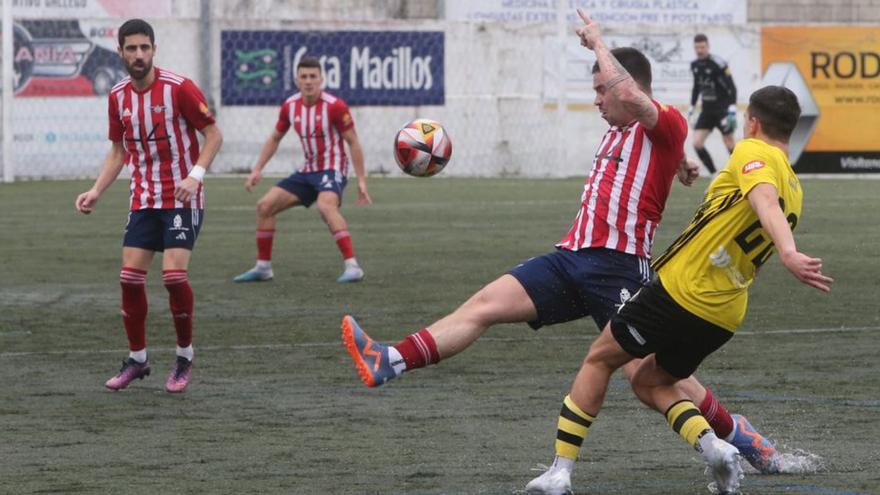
396	361
351	263
264	265
705	442
563	463
186	352
139	356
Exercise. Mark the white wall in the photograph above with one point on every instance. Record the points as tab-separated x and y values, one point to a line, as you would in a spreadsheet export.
495	111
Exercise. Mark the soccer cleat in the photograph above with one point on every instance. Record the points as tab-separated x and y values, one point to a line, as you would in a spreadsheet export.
370	357
722	459
554	481
353	274
178	379
254	275
756	449
130	370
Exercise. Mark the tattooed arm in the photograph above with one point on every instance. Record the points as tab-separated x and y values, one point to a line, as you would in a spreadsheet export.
618	81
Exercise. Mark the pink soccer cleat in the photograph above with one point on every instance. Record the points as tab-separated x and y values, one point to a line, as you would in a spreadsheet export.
130	370
178	379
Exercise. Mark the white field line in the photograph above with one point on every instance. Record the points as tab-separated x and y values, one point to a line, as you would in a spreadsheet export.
338	342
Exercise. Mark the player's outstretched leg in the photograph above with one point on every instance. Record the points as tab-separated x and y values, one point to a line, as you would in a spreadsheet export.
180	374
370	357
756	449
130	371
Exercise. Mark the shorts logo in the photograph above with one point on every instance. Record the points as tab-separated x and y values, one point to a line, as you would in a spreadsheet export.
751	166
635	334
181	236
177	223
326	183
624	295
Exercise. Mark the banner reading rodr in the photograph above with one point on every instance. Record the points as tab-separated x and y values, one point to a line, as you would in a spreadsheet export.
841	67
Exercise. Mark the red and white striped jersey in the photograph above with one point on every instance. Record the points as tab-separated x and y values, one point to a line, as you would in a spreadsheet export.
158	129
320	127
626	191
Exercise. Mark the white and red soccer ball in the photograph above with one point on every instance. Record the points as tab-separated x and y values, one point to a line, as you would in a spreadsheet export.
422	148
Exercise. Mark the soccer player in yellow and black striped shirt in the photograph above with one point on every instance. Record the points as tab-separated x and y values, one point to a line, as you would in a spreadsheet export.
700	295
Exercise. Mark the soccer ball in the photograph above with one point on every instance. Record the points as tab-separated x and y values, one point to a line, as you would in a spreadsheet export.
422	148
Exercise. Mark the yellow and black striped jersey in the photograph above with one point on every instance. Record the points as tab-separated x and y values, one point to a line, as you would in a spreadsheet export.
711	265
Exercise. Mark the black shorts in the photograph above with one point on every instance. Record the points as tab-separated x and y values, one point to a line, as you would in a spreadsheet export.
712	117
651	322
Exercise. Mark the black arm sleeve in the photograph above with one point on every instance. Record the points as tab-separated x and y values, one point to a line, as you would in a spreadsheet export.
695	93
724	80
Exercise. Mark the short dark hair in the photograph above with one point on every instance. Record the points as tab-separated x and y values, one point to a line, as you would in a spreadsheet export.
635	62
700	37
309	63
777	109
135	26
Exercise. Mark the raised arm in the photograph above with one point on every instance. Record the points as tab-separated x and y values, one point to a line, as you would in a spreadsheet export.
619	82
764	200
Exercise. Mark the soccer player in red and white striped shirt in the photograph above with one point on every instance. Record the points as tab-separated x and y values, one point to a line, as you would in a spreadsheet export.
154	115
602	261
323	124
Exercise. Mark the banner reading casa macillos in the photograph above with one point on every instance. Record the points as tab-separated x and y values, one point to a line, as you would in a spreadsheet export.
361	67
841	68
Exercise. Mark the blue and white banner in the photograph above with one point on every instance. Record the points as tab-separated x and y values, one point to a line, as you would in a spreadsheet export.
361	67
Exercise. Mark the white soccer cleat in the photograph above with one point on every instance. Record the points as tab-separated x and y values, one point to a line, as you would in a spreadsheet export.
254	275
554	481
351	274
722	459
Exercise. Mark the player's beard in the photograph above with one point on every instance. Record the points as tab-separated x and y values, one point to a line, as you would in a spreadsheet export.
138	72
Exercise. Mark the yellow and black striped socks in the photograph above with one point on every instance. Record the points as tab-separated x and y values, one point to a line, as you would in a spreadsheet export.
686	420
572	428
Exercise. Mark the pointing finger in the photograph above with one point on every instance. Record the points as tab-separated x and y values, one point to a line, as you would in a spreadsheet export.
584	16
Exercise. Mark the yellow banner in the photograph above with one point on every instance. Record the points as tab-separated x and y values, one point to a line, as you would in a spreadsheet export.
841	66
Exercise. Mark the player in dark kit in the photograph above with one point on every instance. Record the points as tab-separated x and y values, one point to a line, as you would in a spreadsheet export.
154	117
714	86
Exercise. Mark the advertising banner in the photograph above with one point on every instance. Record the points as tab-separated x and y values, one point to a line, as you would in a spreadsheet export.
670	53
840	67
89	9
671	12
361	67
63	57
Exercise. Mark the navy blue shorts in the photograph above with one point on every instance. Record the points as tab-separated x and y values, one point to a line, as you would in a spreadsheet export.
158	230
306	186
568	285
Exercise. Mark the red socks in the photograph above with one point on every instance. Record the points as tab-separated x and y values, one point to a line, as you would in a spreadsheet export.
180	299
343	242
264	244
134	307
418	350
716	414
